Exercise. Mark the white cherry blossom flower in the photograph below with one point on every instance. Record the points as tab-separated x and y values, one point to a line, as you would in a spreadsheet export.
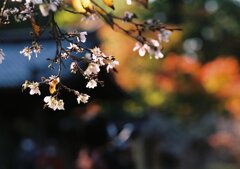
53	103
1	56
50	102
27	52
51	6
93	68
155	43
82	37
34	88
164	35
101	61
14	10
141	48
82	98
64	55
34	1
112	64
91	84
37	1
98	59
73	67
36	48
60	104
154	50
5	15
73	47
94	57
156	53
44	8
96	51
88	56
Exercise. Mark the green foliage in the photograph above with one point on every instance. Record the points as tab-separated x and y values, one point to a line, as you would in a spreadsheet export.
214	23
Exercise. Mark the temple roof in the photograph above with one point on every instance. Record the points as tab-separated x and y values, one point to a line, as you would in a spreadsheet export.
16	68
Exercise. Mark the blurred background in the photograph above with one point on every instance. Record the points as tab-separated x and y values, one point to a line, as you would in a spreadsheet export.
181	112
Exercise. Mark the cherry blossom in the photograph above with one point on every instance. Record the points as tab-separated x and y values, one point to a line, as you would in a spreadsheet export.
75	52
34	88
82	37
112	64
91	84
92	68
74	67
53	103
1	56
82	98
142	48
164	35
27	52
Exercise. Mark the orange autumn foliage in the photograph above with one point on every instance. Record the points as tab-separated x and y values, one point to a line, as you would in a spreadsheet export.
174	71
175	74
219	74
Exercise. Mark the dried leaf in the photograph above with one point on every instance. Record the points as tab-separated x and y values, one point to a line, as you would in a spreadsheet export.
52	89
109	3
53	84
36	27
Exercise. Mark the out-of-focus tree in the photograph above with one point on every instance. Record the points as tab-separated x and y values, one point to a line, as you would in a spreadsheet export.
186	83
211	27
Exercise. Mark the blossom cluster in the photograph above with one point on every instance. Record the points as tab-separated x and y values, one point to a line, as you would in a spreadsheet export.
27	51
94	59
152	46
26	9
